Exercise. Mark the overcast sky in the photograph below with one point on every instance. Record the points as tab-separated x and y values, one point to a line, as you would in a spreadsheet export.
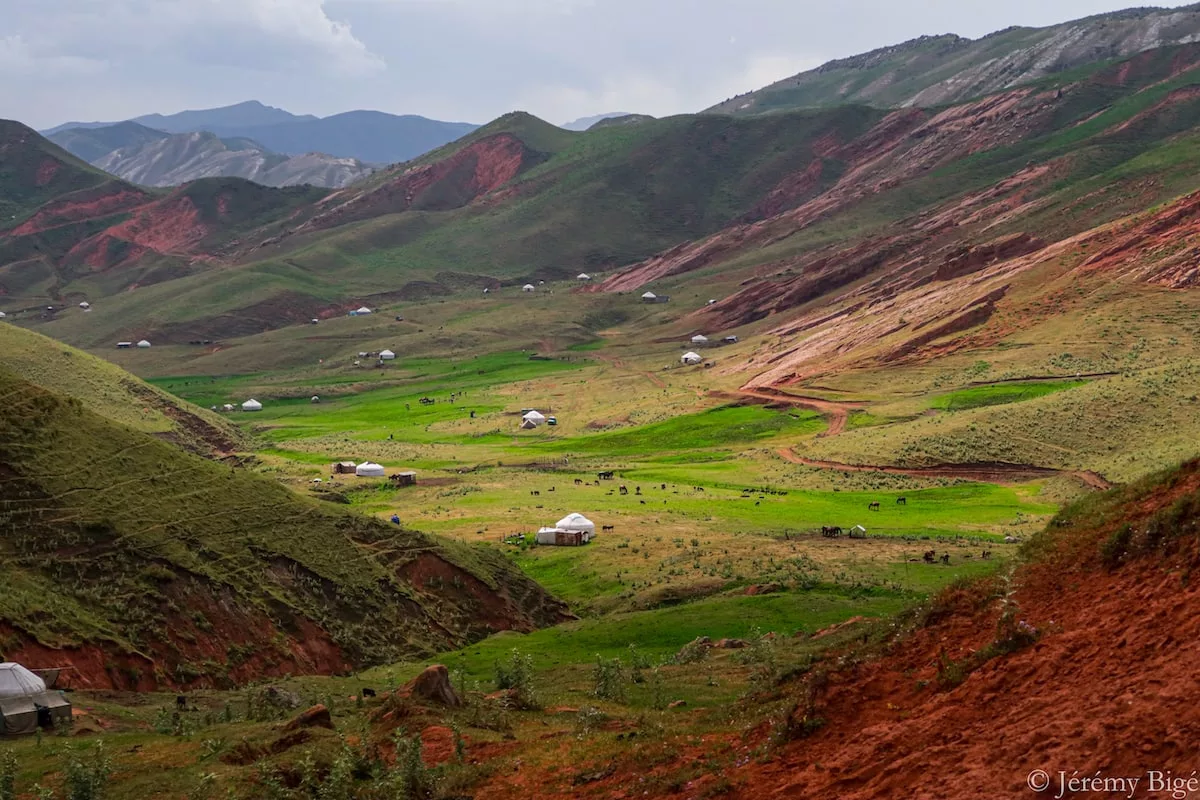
462	60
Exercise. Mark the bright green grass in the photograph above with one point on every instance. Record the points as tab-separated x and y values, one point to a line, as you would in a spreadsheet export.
661	632
713	428
999	394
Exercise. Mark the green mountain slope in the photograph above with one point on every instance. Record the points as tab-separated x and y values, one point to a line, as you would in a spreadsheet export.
935	70
144	565
34	171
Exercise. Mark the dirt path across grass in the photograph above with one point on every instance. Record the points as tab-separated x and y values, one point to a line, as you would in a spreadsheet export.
836	412
996	472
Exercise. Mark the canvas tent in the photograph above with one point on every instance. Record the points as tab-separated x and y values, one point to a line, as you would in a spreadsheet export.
577	522
528	425
529	287
361	311
85	305
536	417
369	469
3	315
699	338
251	405
649	297
24	702
691	358
583	276
386	355
143	343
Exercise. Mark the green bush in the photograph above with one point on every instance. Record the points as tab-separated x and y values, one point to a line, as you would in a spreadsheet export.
86	778
516	675
608	677
8	776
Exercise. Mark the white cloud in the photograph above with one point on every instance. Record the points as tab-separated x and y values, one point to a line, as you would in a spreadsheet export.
19	58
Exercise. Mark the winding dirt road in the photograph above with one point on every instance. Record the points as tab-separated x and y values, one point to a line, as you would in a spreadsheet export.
995	472
836	412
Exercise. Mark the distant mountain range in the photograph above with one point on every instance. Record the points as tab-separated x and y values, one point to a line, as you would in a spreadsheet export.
153	158
583	123
368	136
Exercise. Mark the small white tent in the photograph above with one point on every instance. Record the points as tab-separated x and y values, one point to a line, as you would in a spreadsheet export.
691	358
363	310
577	522
536	417
711	302
23	698
85	305
529	287
649	296
369	469
251	405
143	343
386	355
583	276
699	338
3	315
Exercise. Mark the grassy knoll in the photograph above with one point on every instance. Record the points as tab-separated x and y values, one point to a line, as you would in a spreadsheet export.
998	394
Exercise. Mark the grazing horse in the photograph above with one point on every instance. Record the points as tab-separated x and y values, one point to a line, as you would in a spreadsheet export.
535	493
578	482
608	527
623	489
929	556
901	501
366	692
945	558
605	476
831	531
873	506
551	489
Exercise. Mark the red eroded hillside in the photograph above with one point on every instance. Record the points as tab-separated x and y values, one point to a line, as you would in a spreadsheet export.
474	171
1081	661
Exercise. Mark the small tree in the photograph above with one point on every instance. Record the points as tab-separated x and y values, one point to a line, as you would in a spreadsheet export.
609	679
516	675
87	778
8	776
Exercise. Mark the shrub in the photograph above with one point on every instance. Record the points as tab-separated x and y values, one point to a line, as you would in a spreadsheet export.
87	778
517	675
608	678
410	777
8	776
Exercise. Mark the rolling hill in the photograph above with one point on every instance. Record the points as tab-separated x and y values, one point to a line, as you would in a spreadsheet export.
143	565
93	144
938	70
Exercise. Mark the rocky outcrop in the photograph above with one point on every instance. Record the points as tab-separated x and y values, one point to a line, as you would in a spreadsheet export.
432	686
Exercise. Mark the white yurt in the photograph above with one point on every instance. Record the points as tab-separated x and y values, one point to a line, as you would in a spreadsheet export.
363	310
144	343
387	355
3	315
23	696
536	417
529	287
691	358
251	405
699	338
577	522
316	398
649	296
369	469
228	406
583	276
85	305
712	302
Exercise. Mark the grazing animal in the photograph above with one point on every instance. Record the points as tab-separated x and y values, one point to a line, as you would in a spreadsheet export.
664	487
180	701
986	554
637	490
929	556
831	531
551	489
605	476
536	493
945	558
578	482
608	527
756	502
623	489
901	501
368	692
643	502
873	506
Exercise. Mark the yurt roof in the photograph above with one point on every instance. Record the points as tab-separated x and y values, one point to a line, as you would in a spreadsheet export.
699	337
144	343
583	276
528	286
386	353
17	681
689	356
363	310
574	522
648	295
251	403
535	415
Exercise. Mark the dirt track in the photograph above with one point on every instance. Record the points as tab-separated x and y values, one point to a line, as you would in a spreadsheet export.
985	472
836	412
